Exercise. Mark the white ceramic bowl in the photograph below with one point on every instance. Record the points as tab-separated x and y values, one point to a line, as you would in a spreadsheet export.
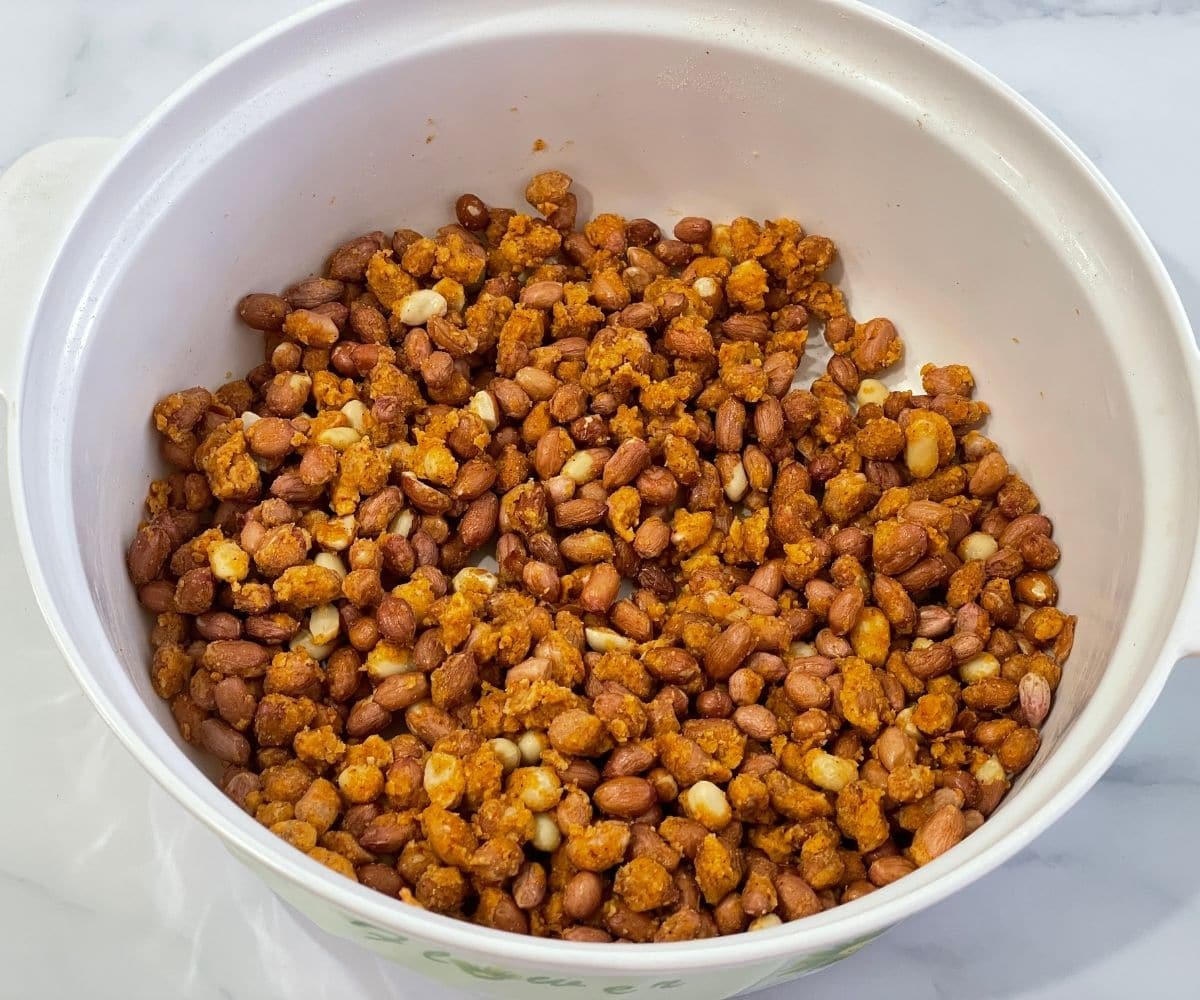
960	212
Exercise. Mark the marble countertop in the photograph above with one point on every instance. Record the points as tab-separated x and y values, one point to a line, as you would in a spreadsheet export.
108	889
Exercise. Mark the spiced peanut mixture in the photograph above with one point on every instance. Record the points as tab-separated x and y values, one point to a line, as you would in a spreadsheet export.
750	650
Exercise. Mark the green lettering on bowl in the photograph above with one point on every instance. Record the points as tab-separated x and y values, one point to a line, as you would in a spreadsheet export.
378	933
489	972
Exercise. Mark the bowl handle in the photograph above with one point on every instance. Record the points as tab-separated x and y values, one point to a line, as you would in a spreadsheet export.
40	195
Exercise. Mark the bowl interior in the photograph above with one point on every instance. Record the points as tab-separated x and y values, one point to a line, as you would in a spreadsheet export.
985	242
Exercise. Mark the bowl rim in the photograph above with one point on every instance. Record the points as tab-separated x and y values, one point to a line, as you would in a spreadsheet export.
859	919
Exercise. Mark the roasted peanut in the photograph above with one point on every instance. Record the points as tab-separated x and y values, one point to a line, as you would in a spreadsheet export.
741	642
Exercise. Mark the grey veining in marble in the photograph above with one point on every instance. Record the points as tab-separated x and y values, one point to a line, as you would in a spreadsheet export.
109	890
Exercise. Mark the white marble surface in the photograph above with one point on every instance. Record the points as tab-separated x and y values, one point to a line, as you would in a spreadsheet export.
108	889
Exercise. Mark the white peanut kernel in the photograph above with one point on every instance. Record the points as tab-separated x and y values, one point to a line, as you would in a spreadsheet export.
977	546
706	804
228	561
324	624
419	307
871	390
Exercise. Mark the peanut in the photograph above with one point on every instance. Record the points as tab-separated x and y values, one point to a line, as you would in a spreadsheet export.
742	639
